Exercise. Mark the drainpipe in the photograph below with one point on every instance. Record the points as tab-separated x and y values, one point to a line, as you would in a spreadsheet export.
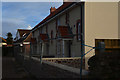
63	48
82	37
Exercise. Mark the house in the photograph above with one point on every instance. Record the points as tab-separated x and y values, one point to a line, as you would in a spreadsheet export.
66	30
7	49
3	41
22	41
20	33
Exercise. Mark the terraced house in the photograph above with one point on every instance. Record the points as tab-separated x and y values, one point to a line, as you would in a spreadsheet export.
64	31
22	41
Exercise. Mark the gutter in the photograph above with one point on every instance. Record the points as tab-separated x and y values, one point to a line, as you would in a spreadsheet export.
55	16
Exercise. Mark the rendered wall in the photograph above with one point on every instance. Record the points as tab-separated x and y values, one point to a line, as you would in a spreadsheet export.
101	22
74	15
52	45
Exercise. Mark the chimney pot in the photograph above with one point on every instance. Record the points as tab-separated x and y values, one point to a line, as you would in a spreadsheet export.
52	9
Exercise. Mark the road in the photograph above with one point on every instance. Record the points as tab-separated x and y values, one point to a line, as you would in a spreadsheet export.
12	70
32	70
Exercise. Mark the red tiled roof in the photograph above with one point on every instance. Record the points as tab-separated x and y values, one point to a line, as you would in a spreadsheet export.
28	38
23	31
44	37
33	40
3	39
64	32
65	5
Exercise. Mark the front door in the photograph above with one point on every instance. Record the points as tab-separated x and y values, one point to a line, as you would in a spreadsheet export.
58	48
67	48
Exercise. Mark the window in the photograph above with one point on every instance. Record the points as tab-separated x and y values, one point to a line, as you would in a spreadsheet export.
46	28
78	30
56	25
51	36
41	30
33	33
58	22
35	49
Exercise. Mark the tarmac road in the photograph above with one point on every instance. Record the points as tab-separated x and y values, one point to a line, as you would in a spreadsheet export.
12	70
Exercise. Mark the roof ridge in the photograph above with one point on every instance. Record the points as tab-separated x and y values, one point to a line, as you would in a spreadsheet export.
3	39
63	6
24	29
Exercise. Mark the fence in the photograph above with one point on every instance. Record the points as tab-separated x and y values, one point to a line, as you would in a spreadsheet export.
111	45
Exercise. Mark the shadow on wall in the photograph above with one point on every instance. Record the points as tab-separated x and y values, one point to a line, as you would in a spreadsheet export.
105	65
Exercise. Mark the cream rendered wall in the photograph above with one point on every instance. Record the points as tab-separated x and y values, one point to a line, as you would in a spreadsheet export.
101	22
38	44
52	46
43	30
119	19
36	34
62	19
62	23
74	15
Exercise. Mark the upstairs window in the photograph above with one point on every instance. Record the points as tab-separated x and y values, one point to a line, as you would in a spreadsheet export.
41	30
78	30
51	36
56	25
58	22
46	28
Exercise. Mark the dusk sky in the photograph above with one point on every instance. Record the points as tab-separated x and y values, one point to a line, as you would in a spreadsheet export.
20	15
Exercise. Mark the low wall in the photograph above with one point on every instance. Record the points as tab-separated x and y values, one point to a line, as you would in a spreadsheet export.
72	62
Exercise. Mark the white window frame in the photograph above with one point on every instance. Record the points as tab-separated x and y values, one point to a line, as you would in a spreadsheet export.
58	21
79	31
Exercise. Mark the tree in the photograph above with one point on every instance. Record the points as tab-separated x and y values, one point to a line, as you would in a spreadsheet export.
9	38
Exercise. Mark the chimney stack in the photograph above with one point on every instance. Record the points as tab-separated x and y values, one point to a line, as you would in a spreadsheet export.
64	1
52	9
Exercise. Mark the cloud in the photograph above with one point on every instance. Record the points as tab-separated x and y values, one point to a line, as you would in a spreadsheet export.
11	25
17	15
32	0
29	27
